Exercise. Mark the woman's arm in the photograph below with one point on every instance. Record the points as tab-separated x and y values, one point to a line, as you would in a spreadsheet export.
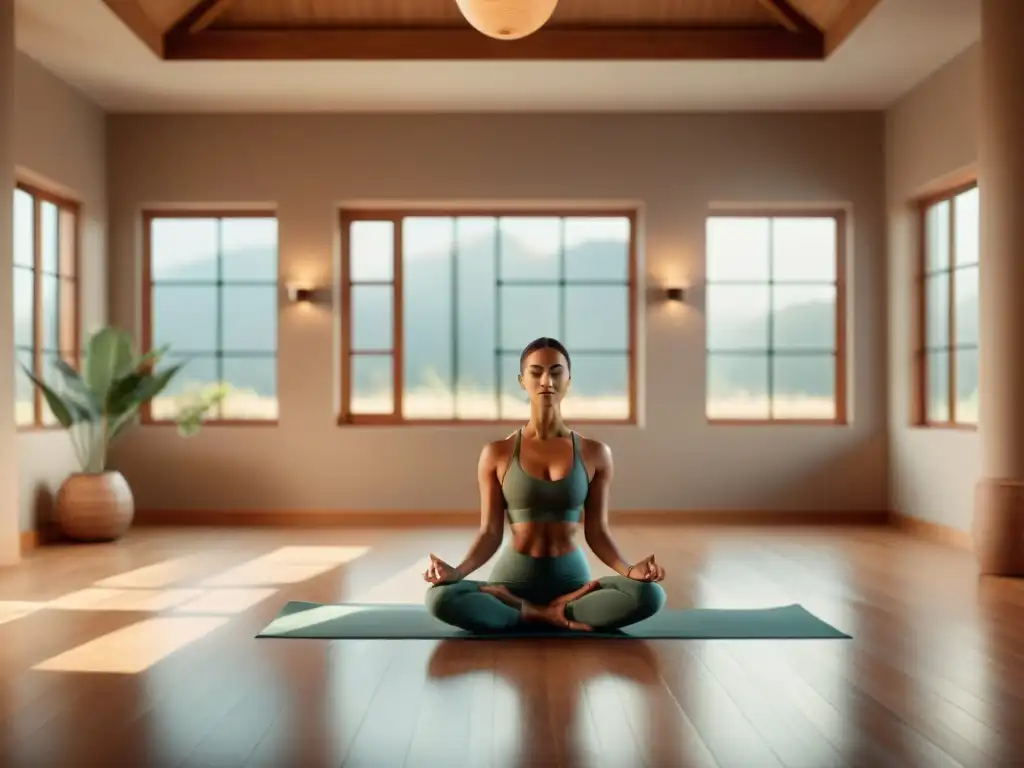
595	512
492	513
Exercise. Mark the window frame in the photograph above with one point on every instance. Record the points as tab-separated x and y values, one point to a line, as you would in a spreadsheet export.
347	216
145	412
64	205
919	378
840	397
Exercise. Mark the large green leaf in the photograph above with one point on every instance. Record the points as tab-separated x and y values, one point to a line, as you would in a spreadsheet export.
146	387
72	378
114	385
120	423
109	357
155	383
65	412
151	358
132	390
123	393
75	387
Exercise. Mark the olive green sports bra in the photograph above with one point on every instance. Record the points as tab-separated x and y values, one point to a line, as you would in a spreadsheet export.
529	499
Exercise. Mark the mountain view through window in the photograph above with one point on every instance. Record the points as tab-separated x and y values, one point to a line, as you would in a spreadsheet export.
213	297
46	322
773	306
949	297
474	291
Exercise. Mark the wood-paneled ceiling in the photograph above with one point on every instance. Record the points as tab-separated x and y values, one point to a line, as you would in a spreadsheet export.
435	30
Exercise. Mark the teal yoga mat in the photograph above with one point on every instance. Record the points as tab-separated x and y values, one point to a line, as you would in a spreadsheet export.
360	621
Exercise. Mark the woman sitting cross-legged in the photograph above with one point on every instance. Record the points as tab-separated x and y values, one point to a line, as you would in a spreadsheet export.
549	480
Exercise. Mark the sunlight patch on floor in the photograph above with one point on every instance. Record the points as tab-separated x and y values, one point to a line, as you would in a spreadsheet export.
337	555
154	576
15	609
219	601
406	586
98	599
135	648
287	565
231	592
313	616
256	574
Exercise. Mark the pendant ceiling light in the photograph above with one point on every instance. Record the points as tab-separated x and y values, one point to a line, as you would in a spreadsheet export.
507	19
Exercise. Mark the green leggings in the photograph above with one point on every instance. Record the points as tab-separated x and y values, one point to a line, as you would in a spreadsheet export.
618	602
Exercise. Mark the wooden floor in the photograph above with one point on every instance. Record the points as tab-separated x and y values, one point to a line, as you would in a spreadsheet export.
142	654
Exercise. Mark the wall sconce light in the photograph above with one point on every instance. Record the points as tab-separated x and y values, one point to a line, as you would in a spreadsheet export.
675	294
301	294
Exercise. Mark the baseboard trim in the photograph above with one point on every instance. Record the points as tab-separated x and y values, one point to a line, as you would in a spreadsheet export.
936	532
223	518
471	518
29	541
40	537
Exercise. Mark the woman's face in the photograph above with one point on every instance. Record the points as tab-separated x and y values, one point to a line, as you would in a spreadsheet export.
545	376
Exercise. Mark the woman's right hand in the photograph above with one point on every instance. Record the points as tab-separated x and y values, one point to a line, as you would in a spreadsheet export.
646	570
439	572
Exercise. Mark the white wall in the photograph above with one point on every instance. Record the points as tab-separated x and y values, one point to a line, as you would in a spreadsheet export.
931	135
10	544
675	165
60	143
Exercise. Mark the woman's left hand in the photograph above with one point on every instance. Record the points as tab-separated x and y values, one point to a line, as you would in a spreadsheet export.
646	570
439	572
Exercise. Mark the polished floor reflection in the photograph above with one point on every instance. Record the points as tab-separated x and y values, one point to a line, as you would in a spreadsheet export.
142	654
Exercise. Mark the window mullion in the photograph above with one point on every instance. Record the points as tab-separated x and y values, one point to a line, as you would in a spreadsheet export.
839	394
37	301
218	360
61	296
454	255
771	319
561	280
497	316
923	367
951	318
398	338
347	367
76	266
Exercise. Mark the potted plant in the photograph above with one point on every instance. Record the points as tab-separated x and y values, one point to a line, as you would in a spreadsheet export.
96	406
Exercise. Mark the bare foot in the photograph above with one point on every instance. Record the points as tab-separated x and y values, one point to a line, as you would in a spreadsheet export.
587	588
502	592
554	612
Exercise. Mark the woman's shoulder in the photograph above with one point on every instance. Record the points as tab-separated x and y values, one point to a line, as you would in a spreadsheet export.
594	450
498	450
591	442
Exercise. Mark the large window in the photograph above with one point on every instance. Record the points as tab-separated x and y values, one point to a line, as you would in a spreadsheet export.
46	314
437	307
947	351
774	313
211	293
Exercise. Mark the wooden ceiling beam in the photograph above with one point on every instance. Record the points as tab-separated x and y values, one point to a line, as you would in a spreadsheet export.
211	14
551	44
197	18
848	20
132	16
790	17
